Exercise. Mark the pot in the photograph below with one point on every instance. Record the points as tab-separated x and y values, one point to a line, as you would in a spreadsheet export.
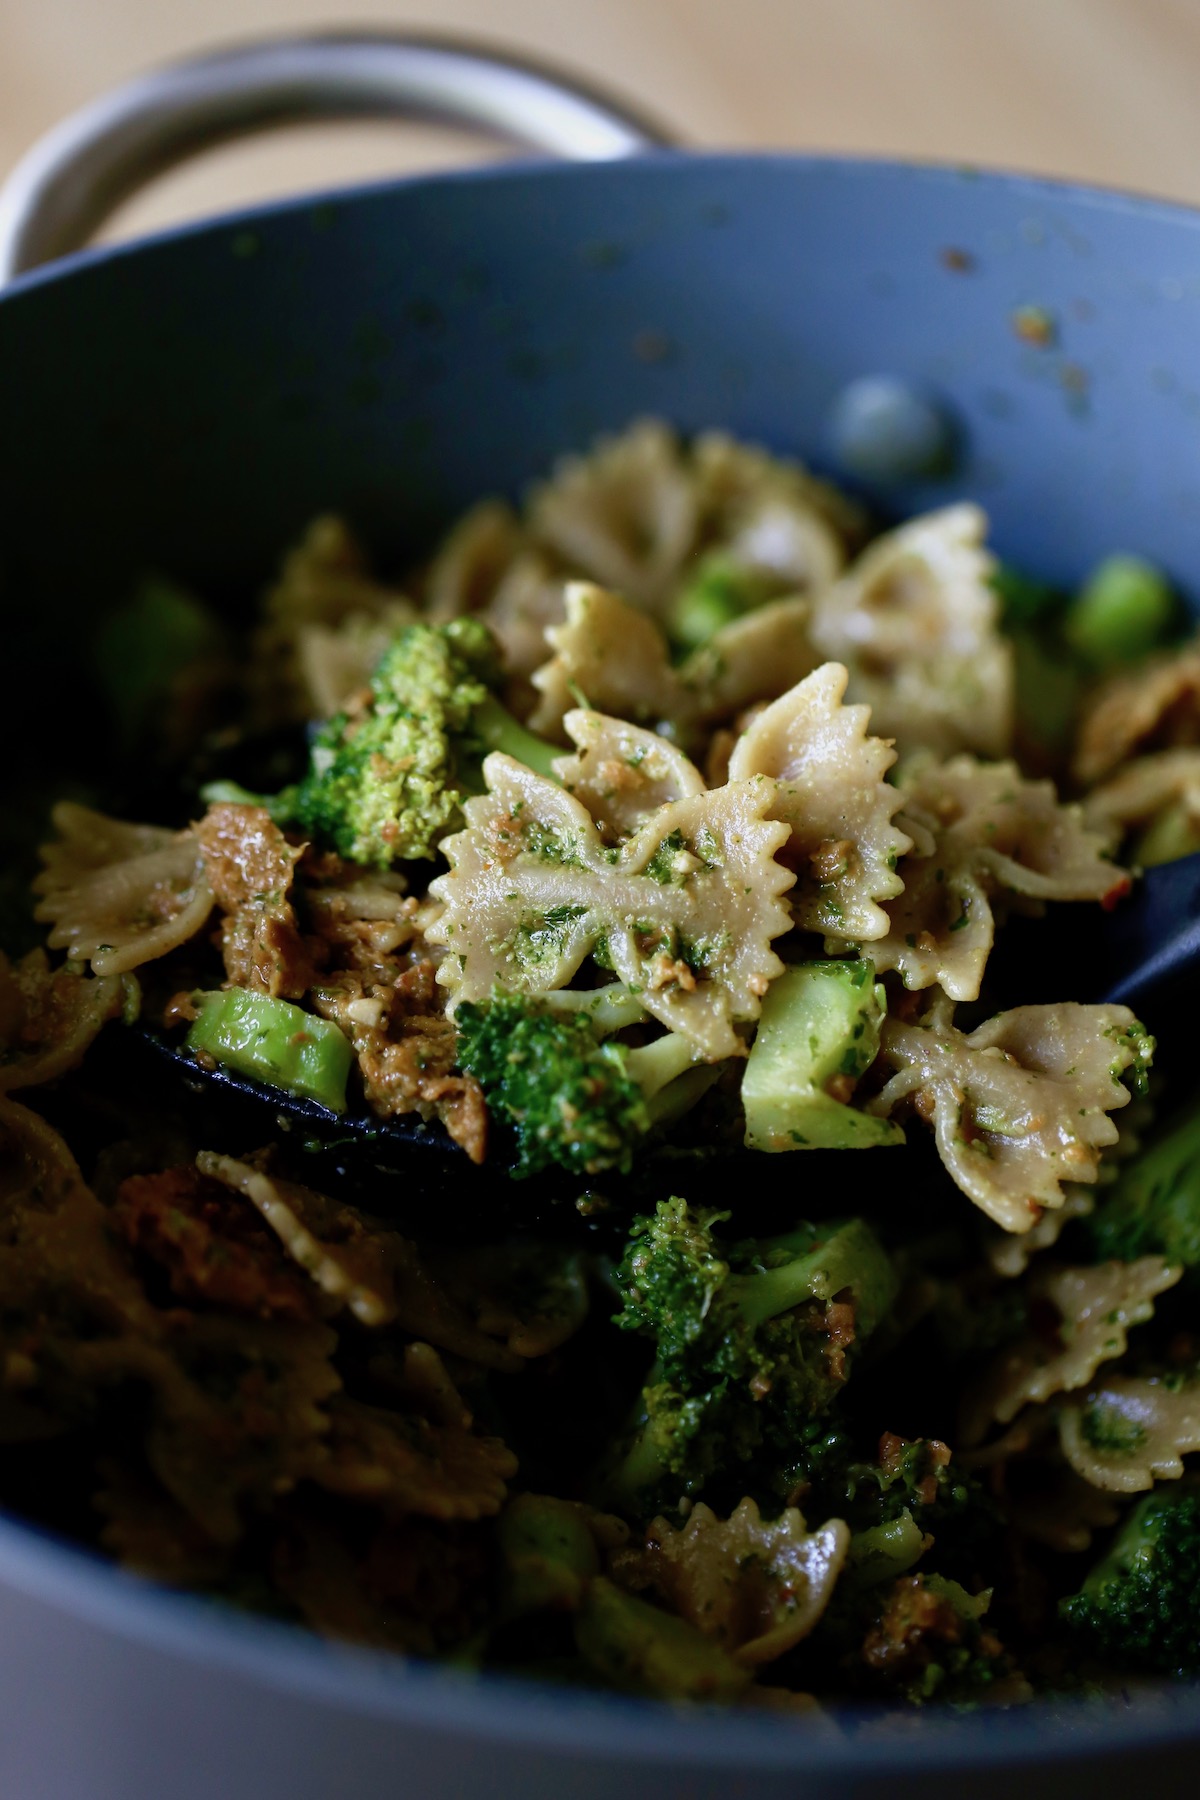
393	353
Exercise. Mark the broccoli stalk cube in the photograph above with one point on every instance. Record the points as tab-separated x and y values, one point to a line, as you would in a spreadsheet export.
494	728
386	782
273	1041
1171	834
547	1555
639	1647
819	1030
1138	1605
1124	610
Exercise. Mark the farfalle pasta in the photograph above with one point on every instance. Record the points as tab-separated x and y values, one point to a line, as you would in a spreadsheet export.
120	895
979	832
917	622
552	1173
1129	1431
685	909
1020	1106
830	789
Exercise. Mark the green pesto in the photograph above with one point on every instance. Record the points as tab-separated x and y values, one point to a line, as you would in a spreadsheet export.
1137	1040
661	867
540	938
1106	1428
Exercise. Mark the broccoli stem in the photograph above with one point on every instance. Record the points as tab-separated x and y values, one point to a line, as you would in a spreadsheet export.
547	1555
280	807
656	1065
496	729
1171	834
819	1026
610	1008
636	1646
274	1042
850	1257
670	1078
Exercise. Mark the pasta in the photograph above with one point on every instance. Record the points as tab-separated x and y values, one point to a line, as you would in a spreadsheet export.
687	908
651	838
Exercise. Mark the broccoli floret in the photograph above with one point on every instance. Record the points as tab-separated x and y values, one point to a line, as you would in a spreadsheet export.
899	1503
753	1343
927	1641
1154	1205
718	591
576	1101
1138	1605
386	781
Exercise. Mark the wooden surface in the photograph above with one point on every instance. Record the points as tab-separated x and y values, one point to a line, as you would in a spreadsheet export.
1103	90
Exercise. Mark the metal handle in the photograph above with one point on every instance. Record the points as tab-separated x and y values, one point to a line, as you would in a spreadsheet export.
73	178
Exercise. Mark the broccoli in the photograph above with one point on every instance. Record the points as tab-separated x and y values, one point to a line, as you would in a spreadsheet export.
752	1341
275	1042
576	1100
1125	610
718	591
897	1503
1154	1204
819	1027
926	1639
1138	1605
385	782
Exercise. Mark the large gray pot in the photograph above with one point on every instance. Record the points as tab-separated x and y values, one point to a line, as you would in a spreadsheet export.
394	353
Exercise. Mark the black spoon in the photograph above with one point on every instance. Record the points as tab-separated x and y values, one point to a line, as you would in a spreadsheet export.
1145	954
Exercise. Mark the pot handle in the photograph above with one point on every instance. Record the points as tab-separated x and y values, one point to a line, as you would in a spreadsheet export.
73	178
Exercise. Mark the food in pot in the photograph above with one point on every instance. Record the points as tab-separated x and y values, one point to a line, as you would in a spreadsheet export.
666	825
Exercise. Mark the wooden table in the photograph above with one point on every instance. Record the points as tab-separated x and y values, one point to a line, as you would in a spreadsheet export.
1102	90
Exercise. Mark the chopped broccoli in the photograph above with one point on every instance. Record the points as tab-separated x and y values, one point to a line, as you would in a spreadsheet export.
636	1646
141	651
751	1345
385	783
898	1504
547	1555
577	1101
718	591
819	1032
927	1640
1024	601
1138	1605
1124	610
273	1041
1154	1204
